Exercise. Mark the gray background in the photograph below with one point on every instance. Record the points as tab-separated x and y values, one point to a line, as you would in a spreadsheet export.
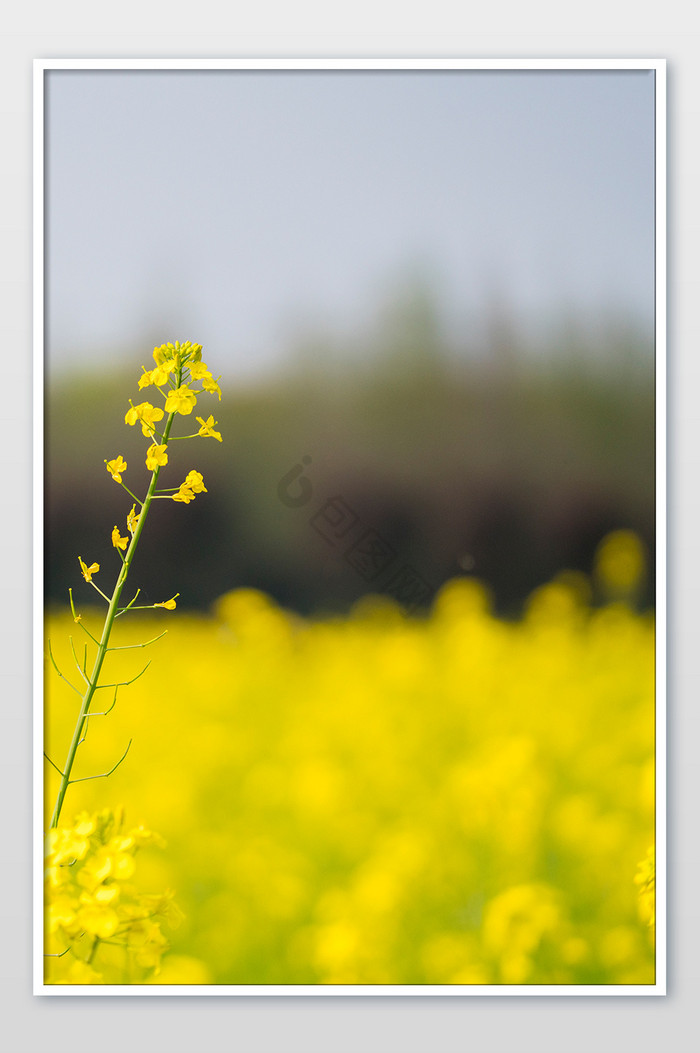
253	208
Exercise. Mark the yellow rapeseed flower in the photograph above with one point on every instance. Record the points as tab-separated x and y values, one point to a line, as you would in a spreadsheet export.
148	943
211	385
88	571
169	605
116	467
620	562
157	376
195	482
90	897
160	354
184	494
61	913
81	973
178	352
156	456
132	520
117	540
207	428
181	400
646	879
84	824
200	371
146	414
98	920
164	906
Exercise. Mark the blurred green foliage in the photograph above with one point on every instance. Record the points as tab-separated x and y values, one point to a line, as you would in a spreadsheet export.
507	466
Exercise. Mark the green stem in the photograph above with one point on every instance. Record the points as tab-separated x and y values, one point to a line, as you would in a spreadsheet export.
104	640
138	502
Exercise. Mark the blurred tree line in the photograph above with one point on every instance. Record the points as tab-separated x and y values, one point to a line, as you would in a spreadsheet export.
503	464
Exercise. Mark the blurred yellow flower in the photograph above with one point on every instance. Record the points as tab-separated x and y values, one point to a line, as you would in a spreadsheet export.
184	494
211	385
374	798
620	562
195	482
132	520
98	920
646	879
81	973
84	824
93	906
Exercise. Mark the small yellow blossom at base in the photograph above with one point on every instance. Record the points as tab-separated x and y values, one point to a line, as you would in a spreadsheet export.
169	605
207	428
87	572
156	456
116	467
117	540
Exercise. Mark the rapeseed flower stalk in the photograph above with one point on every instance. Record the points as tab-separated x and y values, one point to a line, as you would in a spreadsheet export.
83	892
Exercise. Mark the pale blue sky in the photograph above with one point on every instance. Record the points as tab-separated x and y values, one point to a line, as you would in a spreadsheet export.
239	208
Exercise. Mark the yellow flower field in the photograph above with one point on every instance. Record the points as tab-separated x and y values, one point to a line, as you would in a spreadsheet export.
373	799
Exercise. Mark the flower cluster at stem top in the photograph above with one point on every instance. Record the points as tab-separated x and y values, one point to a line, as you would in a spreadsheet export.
178	370
178	367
